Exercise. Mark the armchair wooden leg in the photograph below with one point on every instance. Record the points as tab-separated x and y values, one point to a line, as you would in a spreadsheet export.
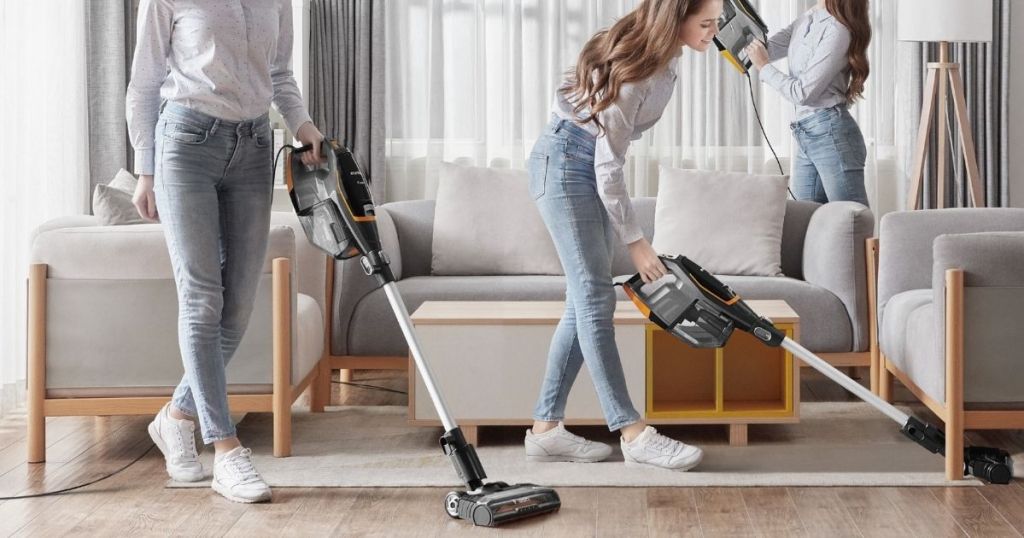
282	321
954	374
345	376
871	257
885	379
36	393
321	391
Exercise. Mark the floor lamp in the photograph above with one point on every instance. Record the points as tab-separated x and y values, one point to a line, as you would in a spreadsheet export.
944	22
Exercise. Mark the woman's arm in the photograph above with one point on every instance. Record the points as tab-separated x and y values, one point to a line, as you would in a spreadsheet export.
287	97
611	145
778	43
830	58
148	72
619	121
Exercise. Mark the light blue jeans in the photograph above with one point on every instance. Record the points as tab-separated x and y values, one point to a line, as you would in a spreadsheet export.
829	165
564	187
214	187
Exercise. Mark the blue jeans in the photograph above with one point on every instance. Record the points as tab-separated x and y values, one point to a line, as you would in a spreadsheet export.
213	186
564	187
829	165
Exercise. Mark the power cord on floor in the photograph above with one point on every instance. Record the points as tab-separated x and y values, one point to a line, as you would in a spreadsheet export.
65	490
757	114
365	386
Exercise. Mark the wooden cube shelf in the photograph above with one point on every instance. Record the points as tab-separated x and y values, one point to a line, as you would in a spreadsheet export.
745	379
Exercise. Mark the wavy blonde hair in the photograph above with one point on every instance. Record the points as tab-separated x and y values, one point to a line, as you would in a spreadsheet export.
634	48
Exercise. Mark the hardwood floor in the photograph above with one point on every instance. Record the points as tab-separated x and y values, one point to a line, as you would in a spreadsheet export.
134	502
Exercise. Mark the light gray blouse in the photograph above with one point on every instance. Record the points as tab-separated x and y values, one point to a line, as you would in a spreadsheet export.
819	76
226	58
639	106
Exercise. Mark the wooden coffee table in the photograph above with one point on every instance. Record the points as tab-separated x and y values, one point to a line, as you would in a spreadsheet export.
488	358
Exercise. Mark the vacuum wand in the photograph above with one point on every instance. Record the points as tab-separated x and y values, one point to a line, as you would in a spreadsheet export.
834	374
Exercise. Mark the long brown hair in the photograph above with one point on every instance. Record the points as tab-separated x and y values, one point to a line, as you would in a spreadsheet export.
853	14
634	48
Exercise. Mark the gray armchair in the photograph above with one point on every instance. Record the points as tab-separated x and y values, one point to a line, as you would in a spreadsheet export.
950	297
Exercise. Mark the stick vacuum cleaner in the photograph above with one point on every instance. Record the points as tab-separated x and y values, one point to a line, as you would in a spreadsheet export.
334	205
702	311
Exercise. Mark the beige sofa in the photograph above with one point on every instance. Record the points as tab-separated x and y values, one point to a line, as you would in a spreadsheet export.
103	326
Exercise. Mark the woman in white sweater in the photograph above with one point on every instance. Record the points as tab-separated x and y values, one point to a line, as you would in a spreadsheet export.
619	88
202	81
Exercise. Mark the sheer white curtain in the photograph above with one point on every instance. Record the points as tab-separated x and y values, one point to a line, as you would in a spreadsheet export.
471	81
44	141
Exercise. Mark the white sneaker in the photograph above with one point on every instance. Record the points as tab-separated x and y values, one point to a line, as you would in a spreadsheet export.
653	449
559	445
176	439
235	477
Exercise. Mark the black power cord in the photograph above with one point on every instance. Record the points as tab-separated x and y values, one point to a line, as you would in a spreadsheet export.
65	490
365	386
757	114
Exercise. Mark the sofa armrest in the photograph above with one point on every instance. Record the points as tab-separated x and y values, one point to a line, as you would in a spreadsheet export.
993	298
351	284
130	252
988	259
906	239
834	258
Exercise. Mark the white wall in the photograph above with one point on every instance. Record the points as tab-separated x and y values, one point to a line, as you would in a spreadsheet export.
1016	105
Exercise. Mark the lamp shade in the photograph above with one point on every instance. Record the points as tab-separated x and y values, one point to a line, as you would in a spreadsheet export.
944	20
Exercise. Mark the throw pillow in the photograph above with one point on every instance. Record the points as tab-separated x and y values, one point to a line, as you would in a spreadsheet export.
486	223
729	223
112	202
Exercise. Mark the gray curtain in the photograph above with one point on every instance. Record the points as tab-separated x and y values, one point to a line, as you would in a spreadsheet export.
109	22
346	79
985	70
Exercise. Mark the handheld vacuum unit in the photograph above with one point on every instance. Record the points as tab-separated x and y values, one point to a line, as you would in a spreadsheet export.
334	205
738	27
697	308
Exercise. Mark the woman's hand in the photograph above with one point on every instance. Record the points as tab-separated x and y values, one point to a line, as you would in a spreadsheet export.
758	54
646	261
309	134
145	202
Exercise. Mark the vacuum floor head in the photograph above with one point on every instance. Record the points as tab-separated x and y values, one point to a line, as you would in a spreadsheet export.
497	503
738	27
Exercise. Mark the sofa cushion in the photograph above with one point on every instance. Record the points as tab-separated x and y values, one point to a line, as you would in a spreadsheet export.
824	324
920	358
136	338
892	333
729	223
485	223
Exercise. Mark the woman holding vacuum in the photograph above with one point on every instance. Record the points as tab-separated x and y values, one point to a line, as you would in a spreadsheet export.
203	77
622	81
828	67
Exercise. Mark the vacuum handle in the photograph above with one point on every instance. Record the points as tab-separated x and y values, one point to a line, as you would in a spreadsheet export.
712	287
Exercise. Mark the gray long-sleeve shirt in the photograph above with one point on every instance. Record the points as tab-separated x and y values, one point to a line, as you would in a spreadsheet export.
638	107
227	59
819	75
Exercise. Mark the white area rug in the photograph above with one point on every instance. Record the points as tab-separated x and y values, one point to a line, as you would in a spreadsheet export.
835	444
